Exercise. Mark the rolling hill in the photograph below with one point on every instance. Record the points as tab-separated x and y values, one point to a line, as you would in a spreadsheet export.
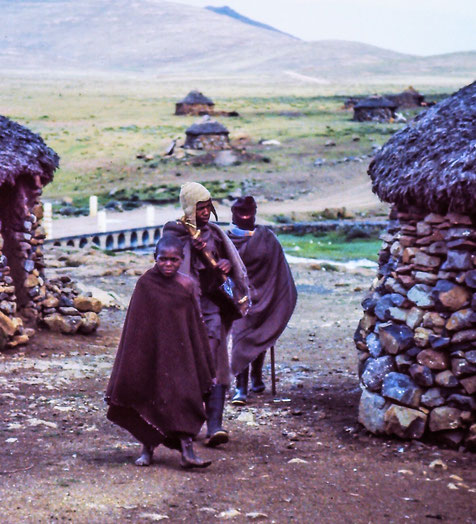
169	38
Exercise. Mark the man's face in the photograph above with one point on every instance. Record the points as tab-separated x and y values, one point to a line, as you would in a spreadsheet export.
168	261
202	213
244	219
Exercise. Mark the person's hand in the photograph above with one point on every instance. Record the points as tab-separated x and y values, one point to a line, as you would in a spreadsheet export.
224	265
198	244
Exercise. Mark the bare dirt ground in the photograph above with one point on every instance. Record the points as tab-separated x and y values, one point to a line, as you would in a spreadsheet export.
300	457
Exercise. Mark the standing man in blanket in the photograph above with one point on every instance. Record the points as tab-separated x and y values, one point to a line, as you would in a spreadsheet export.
273	297
211	258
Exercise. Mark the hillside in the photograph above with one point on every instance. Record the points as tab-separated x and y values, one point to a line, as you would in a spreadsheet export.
165	38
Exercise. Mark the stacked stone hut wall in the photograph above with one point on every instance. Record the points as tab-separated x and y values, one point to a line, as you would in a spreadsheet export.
27	298
373	114
417	339
209	142
193	109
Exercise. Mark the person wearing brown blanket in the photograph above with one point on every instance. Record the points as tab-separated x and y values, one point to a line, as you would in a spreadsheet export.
273	297
197	206
163	367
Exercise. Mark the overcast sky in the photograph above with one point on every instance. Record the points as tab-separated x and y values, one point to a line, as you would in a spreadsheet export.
422	27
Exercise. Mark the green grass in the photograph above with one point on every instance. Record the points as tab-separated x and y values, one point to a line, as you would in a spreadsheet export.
332	246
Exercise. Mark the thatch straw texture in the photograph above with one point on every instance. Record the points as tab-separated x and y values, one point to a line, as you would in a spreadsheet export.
24	153
209	127
431	163
196	97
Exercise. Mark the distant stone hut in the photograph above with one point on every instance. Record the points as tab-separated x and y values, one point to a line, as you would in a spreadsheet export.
195	103
27	299
417	339
408	99
207	134
374	109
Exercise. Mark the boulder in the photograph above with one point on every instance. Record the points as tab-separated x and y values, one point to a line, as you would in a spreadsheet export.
395	338
385	303
421	336
421	375
414	317
467	335
84	304
89	322
445	417
446	379
372	408
421	296
424	260
463	402
375	371
404	422
373	345
433	359
401	388
470	278
7	326
403	362
448	295
63	324
432	398
457	261
462	319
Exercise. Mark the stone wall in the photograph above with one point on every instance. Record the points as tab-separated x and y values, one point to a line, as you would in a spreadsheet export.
379	114
417	339
193	109
27	299
208	142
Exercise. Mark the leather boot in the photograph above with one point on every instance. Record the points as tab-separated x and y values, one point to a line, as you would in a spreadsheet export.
214	405
257	384
189	459
241	392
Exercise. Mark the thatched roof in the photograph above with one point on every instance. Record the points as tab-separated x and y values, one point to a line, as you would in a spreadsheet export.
207	127
24	153
431	163
375	102
408	98
195	97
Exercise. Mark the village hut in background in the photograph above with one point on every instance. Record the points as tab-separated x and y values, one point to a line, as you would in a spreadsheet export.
27	298
407	99
375	109
207	134
195	103
417	339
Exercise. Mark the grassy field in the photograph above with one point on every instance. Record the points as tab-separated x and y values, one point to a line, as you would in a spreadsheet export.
100	127
332	246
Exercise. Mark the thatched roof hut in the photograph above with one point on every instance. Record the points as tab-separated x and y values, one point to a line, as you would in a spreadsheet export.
374	109
27	298
416	340
23	153
431	163
195	103
207	134
407	99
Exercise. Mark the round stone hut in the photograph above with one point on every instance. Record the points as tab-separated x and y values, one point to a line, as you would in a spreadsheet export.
375	109
195	103
417	339
207	134
27	298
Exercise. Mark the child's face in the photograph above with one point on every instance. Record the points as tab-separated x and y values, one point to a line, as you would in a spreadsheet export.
168	261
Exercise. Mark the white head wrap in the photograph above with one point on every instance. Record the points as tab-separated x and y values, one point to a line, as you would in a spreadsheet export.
190	194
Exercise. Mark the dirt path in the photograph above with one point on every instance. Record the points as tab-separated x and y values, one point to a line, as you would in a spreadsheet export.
301	457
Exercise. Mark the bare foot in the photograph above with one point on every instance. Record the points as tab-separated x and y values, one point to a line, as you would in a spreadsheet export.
146	457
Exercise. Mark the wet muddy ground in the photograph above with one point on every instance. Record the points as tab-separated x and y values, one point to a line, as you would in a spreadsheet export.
298	457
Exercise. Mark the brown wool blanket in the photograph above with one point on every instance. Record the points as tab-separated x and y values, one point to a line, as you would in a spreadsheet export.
163	366
273	296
